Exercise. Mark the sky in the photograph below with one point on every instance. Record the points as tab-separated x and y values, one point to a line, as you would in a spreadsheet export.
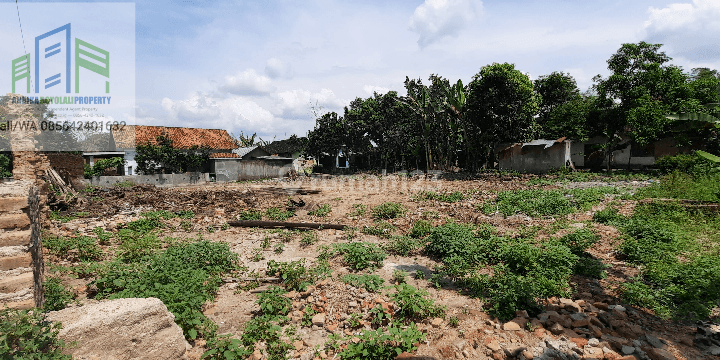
264	66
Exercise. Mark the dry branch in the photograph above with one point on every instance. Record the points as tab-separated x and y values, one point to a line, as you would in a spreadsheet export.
280	224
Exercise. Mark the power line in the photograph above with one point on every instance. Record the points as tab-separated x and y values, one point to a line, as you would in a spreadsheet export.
23	40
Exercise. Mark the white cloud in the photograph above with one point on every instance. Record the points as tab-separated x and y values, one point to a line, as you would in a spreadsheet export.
689	30
248	82
297	103
275	68
370	89
435	19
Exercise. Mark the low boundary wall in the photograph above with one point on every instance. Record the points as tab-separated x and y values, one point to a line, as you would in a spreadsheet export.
156	179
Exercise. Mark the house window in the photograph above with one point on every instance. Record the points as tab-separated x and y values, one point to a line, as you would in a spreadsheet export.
129	170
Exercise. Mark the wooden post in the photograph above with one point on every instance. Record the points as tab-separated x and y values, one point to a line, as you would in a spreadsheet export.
36	247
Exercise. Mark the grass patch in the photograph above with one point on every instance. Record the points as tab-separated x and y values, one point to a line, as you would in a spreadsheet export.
279	214
381	229
540	202
322	211
250	214
388	210
449	197
371	283
360	255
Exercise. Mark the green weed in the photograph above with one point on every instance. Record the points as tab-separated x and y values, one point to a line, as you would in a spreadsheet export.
322	211
388	210
371	283
27	335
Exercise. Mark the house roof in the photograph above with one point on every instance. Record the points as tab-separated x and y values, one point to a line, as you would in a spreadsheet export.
183	138
246	150
223	155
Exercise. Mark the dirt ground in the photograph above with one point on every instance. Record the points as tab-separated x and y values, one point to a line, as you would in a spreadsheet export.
216	204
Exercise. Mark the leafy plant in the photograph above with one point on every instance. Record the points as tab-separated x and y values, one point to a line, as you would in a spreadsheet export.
383	344
101	165
250	214
454	321
224	347
26	335
361	255
278	214
381	228
358	210
322	211
308	238
5	169
449	197
403	245
295	275
273	301
371	283
388	210
414	303
420	229
400	277
57	297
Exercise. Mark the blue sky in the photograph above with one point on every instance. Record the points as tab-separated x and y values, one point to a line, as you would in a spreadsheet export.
256	66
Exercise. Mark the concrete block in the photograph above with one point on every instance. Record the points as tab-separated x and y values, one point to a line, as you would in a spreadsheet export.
14	262
14	221
13	203
15	238
15	283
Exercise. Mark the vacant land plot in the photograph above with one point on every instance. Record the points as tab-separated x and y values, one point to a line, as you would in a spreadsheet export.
486	267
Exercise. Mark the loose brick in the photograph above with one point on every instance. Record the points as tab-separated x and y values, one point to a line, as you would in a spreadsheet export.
14	262
16	283
14	221
15	238
13	203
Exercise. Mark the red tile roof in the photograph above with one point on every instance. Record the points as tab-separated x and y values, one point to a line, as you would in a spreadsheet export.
223	155
182	138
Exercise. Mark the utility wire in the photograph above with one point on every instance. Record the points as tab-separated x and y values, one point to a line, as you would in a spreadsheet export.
23	40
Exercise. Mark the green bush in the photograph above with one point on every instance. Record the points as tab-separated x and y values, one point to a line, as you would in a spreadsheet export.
579	241
57	297
279	214
135	245
608	216
371	283
184	276
449	197
358	210
388	210
322	211
540	202
101	165
5	170
224	347
414	304
250	214
26	335
421	228
295	275
686	163
403	245
273	301
381	229
678	185
383	345
86	247
361	255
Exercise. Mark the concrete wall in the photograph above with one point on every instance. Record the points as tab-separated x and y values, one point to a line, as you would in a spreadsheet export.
534	158
157	179
236	169
16	272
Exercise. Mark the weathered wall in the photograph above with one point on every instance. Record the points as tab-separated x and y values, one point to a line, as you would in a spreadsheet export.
16	272
236	169
157	179
70	167
534	158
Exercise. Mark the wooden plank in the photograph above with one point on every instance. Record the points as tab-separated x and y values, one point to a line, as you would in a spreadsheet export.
282	224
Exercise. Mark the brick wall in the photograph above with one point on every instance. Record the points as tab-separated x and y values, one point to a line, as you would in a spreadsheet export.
70	167
16	272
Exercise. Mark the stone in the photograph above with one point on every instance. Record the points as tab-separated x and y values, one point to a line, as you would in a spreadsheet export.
714	350
15	238
514	350
353	304
15	283
298	344
511	326
14	221
630	330
10	204
655	342
659	354
436	322
556	329
593	353
521	314
318	319
593	342
121	329
627	350
15	261
580	342
570	305
493	345
601	305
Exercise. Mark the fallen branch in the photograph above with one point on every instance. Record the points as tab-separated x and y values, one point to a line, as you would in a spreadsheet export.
281	224
265	279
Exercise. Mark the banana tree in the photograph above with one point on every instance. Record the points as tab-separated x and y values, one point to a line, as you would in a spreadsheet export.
421	104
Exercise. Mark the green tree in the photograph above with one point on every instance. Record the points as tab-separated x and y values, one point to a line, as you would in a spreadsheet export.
641	89
501	105
563	111
162	157
328	136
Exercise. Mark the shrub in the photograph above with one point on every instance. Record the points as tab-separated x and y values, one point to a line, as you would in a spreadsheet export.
136	245
539	202
403	245
371	283
250	214
691	164
225	347
358	210
381	345
308	238
279	214
322	211
453	239
608	216
5	169
361	255
421	228
184	276
449	197
57	297
414	303
579	241
86	247
388	210
295	275
400	277
273	301
26	335
381	229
